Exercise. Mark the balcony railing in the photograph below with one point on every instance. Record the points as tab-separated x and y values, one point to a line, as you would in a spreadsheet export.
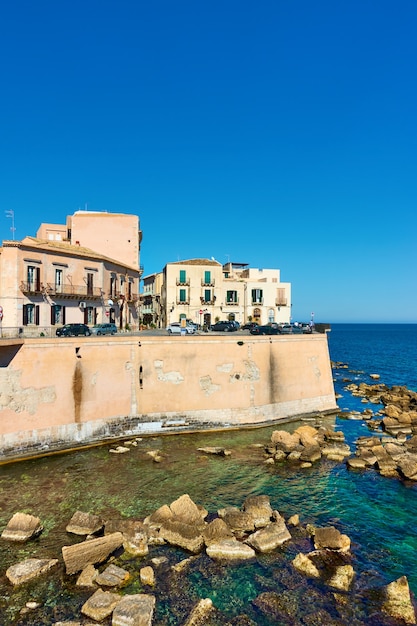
74	291
258	301
183	283
281	302
232	302
183	302
30	287
209	283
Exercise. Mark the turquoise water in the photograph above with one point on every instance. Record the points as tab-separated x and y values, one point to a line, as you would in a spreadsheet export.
377	513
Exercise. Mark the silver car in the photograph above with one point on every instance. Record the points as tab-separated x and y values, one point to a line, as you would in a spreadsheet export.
104	329
175	328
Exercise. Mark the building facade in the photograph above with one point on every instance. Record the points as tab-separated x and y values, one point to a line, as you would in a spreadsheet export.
57	278
205	291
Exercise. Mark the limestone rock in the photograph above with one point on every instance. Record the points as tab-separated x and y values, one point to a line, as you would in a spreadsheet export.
185	510
356	463
200	613
22	527
270	537
397	602
100	605
342	577
158	517
215	530
230	550
84	524
408	467
285	441
134	610
112	576
28	569
329	537
238	521
259	508
183	535
215	450
87	576
147	576
304	565
78	556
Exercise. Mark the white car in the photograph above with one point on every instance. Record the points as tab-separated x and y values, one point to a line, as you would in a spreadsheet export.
175	328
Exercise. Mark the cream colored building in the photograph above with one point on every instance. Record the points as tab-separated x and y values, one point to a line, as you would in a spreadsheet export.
86	271
204	291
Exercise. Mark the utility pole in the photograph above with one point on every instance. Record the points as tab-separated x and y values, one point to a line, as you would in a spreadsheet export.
10	213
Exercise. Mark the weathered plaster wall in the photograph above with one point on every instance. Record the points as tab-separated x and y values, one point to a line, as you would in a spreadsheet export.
62	392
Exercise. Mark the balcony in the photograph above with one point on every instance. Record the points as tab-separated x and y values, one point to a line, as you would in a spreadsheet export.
31	287
210	283
257	302
232	302
183	302
183	283
66	291
281	302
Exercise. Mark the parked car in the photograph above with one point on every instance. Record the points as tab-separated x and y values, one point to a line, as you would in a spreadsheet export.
249	326
227	327
235	324
285	329
104	329
175	328
307	328
73	330
265	330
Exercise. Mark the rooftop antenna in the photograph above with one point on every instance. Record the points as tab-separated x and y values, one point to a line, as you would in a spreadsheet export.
10	213
228	258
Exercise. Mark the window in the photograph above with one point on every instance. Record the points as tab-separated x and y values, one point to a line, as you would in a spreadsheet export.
207	278
113	281
89	315
57	314
30	314
58	281
231	296
183	295
271	315
207	295
257	296
90	283
183	277
33	278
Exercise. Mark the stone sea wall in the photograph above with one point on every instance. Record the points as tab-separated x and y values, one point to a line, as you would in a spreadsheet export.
61	393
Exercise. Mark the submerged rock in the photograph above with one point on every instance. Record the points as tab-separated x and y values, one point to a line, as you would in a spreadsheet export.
100	605
397	602
28	569
200	613
134	610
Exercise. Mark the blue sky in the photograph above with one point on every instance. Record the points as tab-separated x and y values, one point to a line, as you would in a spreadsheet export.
281	134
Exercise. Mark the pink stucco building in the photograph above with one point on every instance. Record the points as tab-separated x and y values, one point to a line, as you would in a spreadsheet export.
87	270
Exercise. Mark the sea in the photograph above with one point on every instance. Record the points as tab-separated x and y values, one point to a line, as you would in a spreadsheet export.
377	513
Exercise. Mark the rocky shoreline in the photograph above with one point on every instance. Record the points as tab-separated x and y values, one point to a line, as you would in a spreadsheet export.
226	539
318	563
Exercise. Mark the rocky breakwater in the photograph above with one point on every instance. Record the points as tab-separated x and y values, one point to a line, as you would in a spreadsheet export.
105	562
392	448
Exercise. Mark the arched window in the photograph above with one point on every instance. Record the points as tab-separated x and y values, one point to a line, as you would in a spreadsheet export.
256	313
